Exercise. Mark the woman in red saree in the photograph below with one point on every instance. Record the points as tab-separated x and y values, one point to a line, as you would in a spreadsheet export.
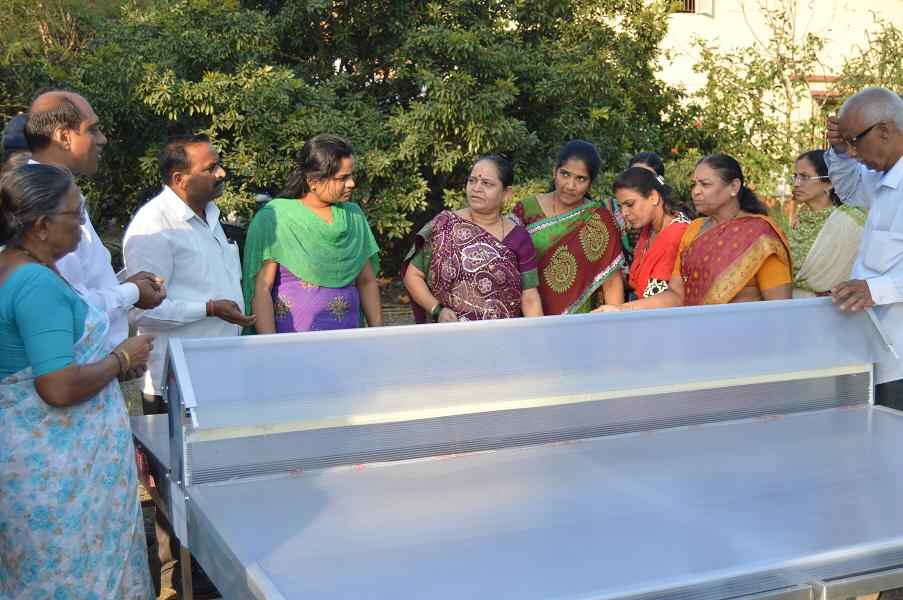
735	253
474	264
576	238
648	208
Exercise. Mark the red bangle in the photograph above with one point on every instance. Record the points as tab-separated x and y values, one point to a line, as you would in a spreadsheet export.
209	308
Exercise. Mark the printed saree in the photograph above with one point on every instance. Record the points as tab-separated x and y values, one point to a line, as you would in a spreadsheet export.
824	245
70	519
470	271
716	264
577	250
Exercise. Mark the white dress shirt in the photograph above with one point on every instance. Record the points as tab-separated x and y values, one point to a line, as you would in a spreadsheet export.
88	269
197	263
880	259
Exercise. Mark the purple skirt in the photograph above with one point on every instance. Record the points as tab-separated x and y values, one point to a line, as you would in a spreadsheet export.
301	306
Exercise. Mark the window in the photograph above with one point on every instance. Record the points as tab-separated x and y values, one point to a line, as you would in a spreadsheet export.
696	7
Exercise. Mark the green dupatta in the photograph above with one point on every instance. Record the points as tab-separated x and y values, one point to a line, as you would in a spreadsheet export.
324	254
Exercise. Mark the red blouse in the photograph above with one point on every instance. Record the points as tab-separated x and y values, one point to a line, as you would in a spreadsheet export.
653	264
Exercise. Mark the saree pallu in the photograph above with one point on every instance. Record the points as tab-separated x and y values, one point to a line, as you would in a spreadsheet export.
70	519
824	245
578	251
470	271
653	263
717	264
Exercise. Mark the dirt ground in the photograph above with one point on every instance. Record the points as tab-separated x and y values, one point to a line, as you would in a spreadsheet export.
395	301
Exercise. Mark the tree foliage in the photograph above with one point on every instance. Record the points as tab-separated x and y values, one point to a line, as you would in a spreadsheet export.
878	63
752	99
421	88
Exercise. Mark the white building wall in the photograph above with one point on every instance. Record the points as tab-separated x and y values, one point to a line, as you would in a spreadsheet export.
730	24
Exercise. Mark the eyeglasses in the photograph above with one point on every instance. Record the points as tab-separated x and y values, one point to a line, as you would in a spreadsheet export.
858	138
801	178
80	213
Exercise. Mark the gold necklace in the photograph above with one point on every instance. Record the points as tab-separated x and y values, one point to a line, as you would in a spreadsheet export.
653	232
501	222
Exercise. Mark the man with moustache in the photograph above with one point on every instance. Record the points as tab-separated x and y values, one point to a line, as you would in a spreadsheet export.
62	129
177	235
865	164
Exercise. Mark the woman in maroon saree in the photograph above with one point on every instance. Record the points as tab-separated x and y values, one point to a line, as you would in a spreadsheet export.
474	264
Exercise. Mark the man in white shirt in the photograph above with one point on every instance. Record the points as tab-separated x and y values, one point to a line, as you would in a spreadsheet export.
177	235
63	130
865	164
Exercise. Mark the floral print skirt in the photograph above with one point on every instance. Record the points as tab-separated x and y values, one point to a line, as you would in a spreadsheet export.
70	519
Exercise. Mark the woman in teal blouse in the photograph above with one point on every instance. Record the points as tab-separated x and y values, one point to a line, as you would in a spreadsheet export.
70	521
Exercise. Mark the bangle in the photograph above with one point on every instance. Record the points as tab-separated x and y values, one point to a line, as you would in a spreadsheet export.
437	310
209	308
118	361
124	356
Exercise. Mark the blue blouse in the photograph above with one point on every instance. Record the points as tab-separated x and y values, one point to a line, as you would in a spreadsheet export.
41	318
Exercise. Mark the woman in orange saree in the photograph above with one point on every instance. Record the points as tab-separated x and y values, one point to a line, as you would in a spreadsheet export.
735	253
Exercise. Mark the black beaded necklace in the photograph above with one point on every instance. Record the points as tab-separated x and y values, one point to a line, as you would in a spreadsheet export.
35	258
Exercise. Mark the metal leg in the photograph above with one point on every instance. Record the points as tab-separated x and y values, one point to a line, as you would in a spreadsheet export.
185	565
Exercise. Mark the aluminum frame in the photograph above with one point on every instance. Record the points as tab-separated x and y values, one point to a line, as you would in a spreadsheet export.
800	341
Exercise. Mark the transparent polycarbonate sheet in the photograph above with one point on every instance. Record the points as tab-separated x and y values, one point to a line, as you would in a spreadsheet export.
329	379
152	432
704	512
273	453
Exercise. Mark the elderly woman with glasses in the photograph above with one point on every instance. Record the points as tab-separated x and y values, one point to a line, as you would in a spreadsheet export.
70	520
824	235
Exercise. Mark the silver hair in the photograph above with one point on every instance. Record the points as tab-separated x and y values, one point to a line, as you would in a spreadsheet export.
27	193
877	104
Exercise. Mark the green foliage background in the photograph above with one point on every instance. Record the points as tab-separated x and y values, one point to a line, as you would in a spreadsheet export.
421	88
